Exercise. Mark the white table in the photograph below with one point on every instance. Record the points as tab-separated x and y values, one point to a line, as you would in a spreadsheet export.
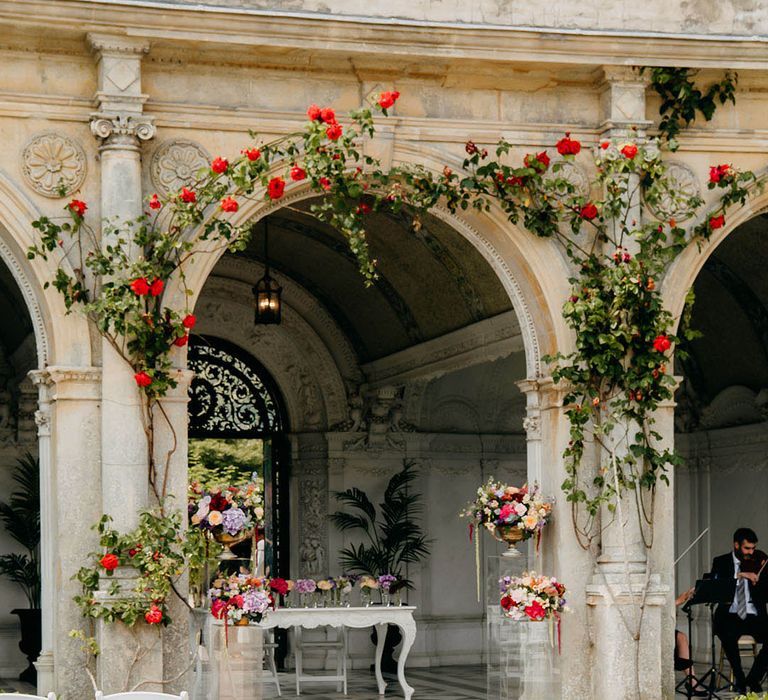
374	616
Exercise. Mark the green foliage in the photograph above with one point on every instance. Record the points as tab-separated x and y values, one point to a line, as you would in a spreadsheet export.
213	462
394	536
682	100
157	549
21	518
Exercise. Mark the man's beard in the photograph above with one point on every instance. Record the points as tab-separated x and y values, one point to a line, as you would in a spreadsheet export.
742	556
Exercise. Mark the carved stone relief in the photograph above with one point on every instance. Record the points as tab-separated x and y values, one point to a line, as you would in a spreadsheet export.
175	164
671	201
313	514
52	162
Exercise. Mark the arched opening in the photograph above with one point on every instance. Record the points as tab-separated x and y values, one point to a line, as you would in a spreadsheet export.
721	427
422	366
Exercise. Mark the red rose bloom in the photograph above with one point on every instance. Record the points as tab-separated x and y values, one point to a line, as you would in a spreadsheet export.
568	146
77	207
506	602
252	153
629	151
132	552
325	183
188	196
181	342
604	145
716	222
142	379
189	321
535	611
220	165
109	561
297	173
155	203
364	208
314	113
661	343
140	286
279	585
542	158
387	99
154	615
276	188
333	132
156	289
719	172
229	204
588	211
328	115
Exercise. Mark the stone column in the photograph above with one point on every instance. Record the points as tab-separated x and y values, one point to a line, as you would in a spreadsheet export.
70	502
561	554
121	126
625	595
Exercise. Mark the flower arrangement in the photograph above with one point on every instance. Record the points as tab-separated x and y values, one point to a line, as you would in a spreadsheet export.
241	598
532	597
226	510
500	506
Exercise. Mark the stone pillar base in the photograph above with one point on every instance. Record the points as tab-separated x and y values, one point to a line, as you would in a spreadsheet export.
626	639
45	673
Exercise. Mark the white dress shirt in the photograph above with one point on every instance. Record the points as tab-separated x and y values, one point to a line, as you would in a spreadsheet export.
751	609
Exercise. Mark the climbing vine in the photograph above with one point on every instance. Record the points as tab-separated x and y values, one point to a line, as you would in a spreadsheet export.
682	99
619	372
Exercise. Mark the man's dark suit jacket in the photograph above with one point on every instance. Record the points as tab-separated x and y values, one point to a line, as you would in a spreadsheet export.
723	569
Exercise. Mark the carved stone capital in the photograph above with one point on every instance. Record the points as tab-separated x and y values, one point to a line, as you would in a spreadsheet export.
122	130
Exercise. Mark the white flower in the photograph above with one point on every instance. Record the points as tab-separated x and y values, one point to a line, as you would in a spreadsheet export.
520	509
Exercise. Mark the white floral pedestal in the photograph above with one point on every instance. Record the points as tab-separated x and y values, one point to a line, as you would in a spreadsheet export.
522	656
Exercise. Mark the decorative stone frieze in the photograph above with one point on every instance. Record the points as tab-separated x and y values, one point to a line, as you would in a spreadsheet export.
175	164
53	165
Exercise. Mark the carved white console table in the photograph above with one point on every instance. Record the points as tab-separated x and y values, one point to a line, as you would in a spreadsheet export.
374	616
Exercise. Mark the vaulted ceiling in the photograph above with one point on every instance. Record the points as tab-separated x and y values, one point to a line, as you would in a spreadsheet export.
431	281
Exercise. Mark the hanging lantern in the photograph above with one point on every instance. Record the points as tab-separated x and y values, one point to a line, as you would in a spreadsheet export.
267	292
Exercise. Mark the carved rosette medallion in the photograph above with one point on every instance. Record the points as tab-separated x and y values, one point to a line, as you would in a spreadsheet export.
51	162
670	203
175	164
574	175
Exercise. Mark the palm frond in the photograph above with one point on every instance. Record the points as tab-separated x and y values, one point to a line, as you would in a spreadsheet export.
21	515
348	521
22	569
400	481
355	498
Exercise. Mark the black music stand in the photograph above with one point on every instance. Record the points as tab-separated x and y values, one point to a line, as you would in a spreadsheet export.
710	592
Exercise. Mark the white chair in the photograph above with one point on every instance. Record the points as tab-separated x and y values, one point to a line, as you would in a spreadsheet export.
21	696
269	656
141	695
339	645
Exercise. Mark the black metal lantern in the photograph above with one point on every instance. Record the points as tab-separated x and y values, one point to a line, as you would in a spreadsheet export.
267	292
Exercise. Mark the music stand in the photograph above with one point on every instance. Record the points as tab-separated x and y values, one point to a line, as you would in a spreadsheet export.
711	592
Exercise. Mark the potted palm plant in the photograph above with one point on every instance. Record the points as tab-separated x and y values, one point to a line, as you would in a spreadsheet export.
391	538
21	517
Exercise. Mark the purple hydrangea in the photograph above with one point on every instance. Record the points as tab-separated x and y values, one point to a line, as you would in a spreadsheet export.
386	581
306	585
255	602
233	520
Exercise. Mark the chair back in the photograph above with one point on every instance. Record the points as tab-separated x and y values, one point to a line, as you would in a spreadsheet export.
22	696
141	695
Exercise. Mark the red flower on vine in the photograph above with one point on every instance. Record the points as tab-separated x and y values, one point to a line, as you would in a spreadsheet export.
181	342
154	202
328	115
325	183
629	150
387	99
364	208
333	132
110	561
297	173
154	615
142	379
720	172
140	286
229	204
189	321
156	288
661	343
220	165
716	222
77	207
568	146
542	158
188	196
276	187
252	153
314	113
588	211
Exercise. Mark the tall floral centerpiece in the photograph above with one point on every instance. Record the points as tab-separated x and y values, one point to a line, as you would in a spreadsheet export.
230	514
509	513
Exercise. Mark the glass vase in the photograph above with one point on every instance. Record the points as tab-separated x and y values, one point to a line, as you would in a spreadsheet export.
385	598
365	597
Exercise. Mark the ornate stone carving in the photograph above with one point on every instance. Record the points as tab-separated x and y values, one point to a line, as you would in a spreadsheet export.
671	202
313	507
574	175
51	162
175	164
532	427
127	126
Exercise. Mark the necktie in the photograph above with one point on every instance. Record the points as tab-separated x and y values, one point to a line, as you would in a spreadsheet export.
741	598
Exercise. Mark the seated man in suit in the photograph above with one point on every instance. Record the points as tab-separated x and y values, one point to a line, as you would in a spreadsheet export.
746	615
